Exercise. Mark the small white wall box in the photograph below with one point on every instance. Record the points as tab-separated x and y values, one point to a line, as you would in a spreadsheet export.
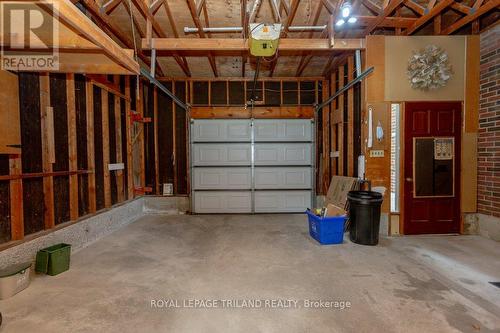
14	279
168	189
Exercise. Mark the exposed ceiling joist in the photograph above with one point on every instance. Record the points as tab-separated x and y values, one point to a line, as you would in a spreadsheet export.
254	11
240	45
436	10
387	11
373	7
197	22
417	8
110	6
199	7
461	8
491	4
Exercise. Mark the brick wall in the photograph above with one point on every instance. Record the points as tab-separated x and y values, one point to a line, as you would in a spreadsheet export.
489	124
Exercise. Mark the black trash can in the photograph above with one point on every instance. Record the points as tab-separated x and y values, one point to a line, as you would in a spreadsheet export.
364	215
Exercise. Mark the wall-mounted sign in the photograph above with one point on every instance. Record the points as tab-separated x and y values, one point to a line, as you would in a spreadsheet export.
443	148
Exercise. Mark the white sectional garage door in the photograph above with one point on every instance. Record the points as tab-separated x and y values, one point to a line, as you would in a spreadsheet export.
252	166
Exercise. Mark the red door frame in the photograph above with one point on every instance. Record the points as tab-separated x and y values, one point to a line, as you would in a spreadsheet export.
407	162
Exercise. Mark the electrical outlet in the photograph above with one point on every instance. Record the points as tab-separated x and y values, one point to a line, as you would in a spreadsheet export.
376	153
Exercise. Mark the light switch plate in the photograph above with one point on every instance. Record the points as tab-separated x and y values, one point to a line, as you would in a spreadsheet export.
376	153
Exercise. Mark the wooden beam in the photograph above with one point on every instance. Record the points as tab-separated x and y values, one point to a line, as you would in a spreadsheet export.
135	20
105	148
72	147
110	6
341	124
436	10
237	112
16	199
276	11
387	11
349	122
291	16
89	108
197	22
199	6
155	138
48	152
238	45
417	8
333	127
128	129
373	7
304	61
431	4
70	14
254	11
107	24
326	128
461	8
492	4
437	24
119	174
155	6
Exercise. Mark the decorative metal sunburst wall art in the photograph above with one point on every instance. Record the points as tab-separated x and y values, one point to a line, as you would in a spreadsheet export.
429	68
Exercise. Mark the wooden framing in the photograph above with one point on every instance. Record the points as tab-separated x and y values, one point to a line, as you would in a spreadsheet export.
78	35
89	95
128	128
105	148
327	127
292	45
341	124
119	152
16	199
48	149
350	118
155	130
207	112
72	146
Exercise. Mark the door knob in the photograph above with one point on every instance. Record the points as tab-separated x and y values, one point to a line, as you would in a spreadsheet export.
409	180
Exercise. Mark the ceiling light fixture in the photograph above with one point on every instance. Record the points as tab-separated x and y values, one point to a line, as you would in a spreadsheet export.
346	9
345	15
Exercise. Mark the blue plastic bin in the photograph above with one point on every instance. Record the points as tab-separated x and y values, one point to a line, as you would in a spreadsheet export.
326	230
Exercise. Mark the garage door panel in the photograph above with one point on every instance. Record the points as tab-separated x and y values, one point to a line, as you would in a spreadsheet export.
282	201
222	202
283	154
282	177
222	178
218	154
231	157
283	130
221	130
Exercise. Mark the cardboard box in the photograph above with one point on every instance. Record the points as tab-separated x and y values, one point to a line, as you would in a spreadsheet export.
339	187
332	210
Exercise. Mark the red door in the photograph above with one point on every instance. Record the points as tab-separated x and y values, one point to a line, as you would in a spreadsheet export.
432	167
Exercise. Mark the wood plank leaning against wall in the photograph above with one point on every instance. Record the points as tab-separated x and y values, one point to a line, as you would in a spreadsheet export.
81	182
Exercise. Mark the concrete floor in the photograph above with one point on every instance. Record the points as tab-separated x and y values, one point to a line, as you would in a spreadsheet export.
406	284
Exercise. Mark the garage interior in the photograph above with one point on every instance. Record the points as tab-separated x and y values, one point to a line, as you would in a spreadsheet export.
176	145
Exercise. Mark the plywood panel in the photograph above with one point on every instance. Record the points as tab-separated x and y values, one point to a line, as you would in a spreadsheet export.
397	52
375	57
471	87
469	173
10	140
